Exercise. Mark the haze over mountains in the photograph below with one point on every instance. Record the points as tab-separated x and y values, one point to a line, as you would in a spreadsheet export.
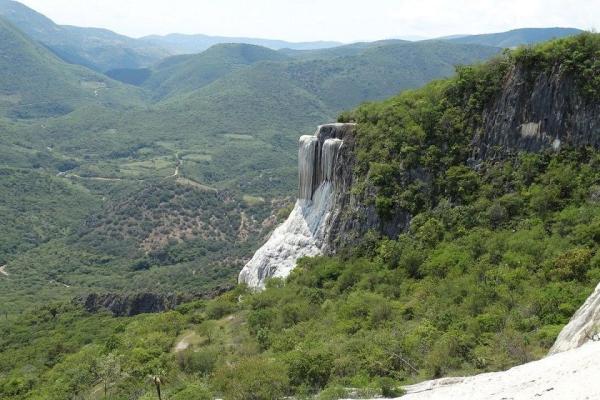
104	50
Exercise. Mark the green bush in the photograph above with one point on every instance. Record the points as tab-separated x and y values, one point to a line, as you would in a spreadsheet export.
254	378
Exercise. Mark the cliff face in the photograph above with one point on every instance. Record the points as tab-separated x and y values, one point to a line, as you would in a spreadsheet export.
583	327
532	112
535	112
127	305
353	213
530	109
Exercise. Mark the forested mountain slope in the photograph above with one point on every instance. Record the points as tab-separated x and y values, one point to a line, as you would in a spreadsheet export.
499	253
36	83
187	73
98	49
189	44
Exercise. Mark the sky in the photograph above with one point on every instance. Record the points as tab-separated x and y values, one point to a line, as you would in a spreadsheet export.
309	20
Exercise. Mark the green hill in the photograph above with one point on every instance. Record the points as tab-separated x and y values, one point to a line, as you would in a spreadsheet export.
240	108
183	74
188	44
98	49
496	260
50	205
35	83
380	71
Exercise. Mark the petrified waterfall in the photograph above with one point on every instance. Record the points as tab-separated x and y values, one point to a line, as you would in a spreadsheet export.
303	233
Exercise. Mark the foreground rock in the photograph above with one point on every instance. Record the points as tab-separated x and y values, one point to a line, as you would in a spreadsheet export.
572	375
582	326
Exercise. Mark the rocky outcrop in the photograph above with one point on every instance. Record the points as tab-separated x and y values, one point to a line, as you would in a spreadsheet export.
584	326
127	305
323	176
536	111
533	111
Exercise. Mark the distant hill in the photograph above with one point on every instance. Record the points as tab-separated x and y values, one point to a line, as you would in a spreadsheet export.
186	73
360	72
187	44
34	82
516	37
339	51
98	49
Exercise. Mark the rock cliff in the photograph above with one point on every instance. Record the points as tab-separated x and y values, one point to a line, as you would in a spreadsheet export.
121	305
536	111
529	108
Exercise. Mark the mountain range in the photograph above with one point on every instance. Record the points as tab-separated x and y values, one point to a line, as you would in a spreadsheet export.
104	50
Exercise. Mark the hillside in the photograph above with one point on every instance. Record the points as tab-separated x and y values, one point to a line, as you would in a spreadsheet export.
238	128
35	83
495	261
517	37
50	205
98	49
187	73
381	70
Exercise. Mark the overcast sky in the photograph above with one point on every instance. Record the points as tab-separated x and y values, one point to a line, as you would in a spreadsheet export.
302	20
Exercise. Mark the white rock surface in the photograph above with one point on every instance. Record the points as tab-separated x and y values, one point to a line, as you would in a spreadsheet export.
303	233
583	323
299	236
571	375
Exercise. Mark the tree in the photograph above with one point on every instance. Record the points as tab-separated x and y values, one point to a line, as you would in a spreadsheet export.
108	370
158	381
253	378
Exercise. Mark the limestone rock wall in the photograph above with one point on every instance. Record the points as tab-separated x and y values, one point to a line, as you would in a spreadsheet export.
535	112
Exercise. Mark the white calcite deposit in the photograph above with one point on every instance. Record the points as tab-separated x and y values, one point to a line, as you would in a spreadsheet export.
572	375
303	233
583	325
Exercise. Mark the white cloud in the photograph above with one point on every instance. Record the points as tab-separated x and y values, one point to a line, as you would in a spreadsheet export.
343	20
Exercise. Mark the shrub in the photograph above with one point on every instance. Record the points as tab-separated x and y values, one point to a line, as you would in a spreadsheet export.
252	378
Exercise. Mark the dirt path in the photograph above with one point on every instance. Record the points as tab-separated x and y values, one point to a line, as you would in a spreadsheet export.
3	271
184	343
93	178
177	166
190	182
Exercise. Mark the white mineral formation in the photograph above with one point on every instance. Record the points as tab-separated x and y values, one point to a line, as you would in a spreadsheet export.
572	375
303	233
583	325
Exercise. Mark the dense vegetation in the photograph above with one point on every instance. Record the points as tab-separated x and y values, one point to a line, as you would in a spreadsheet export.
495	262
479	286
35	208
226	120
163	237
